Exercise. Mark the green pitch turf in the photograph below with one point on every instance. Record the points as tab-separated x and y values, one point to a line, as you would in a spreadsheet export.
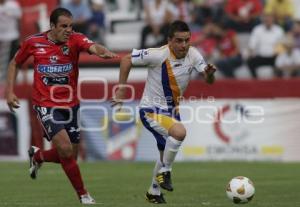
124	184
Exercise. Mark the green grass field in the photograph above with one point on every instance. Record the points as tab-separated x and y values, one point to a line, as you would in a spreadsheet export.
124	184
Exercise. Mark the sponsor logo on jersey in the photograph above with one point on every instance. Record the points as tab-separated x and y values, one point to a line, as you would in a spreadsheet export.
41	51
40	45
53	59
50	81
55	68
177	65
65	50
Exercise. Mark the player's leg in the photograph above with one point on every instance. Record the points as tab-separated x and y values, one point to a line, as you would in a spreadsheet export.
177	134
46	117
51	155
174	132
154	194
53	123
64	148
154	188
68	162
73	131
41	156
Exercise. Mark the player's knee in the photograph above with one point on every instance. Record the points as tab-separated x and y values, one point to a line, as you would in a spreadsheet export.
180	135
65	150
178	132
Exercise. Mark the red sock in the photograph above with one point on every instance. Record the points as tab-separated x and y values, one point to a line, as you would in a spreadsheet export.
47	156
38	156
51	155
72	171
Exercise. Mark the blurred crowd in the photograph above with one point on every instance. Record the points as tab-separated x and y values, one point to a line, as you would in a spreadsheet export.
271	28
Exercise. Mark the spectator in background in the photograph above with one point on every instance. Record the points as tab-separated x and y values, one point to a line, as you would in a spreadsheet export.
81	15
182	10
230	56
157	18
97	21
205	41
263	42
207	11
10	14
295	33
288	62
243	15
283	11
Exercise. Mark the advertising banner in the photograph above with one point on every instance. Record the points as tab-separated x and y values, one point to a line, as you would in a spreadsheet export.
14	132
222	129
233	129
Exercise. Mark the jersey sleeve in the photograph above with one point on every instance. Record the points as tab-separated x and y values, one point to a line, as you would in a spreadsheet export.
198	60
23	53
145	57
83	42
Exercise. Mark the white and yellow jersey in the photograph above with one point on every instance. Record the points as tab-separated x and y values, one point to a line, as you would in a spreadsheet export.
168	77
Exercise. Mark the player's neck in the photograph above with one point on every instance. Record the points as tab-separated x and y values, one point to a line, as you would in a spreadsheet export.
51	38
172	52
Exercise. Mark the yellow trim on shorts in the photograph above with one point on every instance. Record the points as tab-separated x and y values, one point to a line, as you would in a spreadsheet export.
163	120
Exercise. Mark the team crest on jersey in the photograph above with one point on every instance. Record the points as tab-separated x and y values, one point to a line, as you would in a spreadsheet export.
65	49
53	59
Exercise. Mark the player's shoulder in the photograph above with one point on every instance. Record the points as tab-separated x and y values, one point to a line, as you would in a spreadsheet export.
12	3
192	49
77	36
194	52
35	37
159	52
153	53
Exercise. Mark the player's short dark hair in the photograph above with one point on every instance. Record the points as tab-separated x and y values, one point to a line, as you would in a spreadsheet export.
178	26
56	13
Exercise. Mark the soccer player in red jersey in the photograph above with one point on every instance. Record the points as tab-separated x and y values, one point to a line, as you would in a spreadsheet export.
54	97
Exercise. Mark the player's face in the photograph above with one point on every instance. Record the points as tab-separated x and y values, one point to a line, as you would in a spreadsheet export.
63	28
180	43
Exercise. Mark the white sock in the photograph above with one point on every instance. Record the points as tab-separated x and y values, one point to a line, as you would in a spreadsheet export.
154	187
170	152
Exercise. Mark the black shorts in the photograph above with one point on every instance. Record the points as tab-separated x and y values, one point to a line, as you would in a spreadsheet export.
54	119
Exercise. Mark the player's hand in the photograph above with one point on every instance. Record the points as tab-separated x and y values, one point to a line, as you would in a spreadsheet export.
108	54
210	69
12	102
117	101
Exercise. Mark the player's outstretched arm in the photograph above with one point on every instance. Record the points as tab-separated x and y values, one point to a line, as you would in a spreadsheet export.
125	67
102	51
11	99
209	73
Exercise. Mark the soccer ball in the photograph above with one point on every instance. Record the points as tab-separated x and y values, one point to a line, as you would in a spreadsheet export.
240	189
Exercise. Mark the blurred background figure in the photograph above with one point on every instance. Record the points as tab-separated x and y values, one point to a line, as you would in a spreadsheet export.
10	14
204	40
264	41
96	30
283	11
230	57
157	18
288	62
81	14
243	15
295	33
182	10
207	10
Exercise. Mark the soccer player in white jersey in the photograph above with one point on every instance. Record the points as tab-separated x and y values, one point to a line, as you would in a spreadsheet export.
169	72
